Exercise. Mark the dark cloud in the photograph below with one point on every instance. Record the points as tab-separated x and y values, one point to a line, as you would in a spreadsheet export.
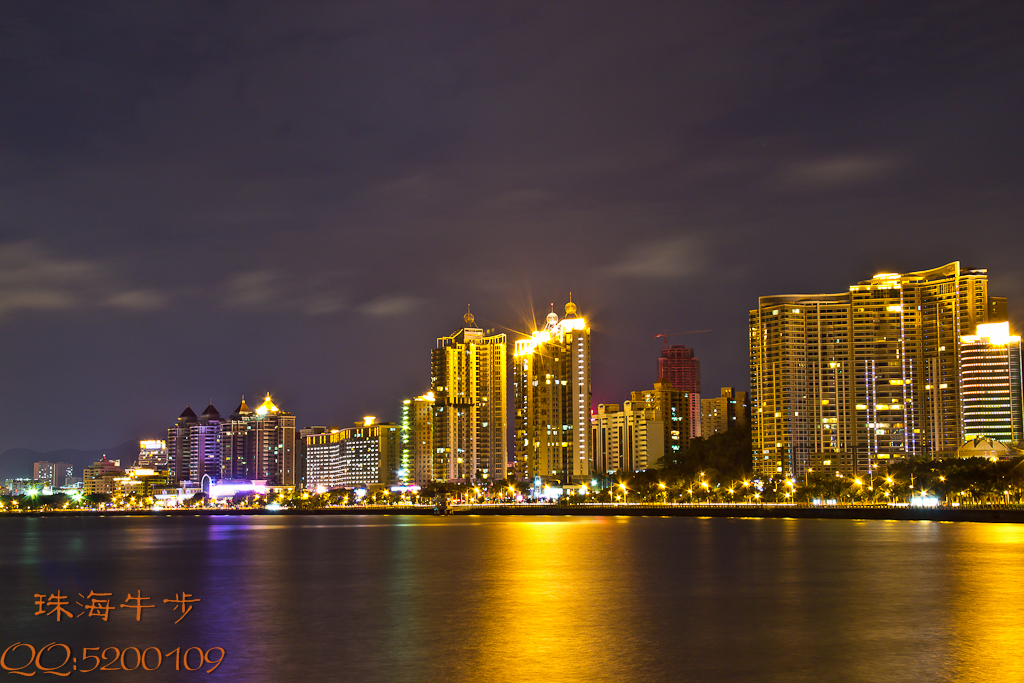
300	198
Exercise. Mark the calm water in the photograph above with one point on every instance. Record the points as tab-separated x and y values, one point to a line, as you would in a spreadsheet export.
533	599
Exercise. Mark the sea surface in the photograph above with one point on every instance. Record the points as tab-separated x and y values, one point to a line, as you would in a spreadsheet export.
489	599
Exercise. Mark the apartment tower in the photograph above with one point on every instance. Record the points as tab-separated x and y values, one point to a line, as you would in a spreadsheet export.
469	383
864	376
551	374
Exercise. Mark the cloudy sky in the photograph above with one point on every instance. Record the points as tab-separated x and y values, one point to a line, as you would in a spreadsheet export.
200	200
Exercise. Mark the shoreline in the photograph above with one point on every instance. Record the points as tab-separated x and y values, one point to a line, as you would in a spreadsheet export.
997	514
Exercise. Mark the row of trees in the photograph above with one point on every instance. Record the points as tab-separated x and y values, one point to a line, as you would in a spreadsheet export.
718	469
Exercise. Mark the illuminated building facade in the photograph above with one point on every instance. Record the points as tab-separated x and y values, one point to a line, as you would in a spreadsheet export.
55	474
672	410
418	462
101	475
206	445
323	457
469	383
153	454
551	374
865	376
259	445
142	482
179	454
728	411
990	385
627	440
681	368
371	453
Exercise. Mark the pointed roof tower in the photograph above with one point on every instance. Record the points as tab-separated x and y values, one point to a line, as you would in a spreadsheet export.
211	413
187	414
267	407
243	409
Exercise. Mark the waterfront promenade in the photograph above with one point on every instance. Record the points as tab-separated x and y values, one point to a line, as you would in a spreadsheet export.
987	513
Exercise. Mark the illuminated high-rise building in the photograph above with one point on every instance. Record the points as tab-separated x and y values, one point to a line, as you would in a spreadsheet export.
195	445
179	454
418	460
551	373
990	385
469	383
681	368
259	444
371	453
323	457
367	454
55	474
629	439
865	376
206	445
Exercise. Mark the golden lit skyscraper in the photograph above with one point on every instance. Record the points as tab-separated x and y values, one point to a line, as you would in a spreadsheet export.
865	376
551	373
469	382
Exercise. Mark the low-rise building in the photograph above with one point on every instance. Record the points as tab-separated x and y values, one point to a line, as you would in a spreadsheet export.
19	486
99	477
141	482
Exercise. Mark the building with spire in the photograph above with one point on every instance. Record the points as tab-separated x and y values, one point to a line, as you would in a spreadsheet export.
259	445
551	377
469	383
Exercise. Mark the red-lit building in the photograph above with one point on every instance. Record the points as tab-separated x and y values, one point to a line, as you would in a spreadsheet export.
681	369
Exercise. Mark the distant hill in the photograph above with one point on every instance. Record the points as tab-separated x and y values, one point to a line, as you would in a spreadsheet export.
17	462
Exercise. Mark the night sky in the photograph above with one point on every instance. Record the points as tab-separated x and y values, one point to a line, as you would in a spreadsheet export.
201	200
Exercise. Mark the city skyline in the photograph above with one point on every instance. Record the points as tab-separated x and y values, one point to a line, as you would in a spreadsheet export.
338	338
395	414
181	218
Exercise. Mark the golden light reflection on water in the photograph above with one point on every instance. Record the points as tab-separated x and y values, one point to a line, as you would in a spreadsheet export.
557	607
988	609
550	598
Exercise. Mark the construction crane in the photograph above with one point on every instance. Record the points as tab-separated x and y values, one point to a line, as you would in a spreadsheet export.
666	334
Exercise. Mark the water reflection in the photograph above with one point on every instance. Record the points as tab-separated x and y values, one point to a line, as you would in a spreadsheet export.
538	599
987	603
